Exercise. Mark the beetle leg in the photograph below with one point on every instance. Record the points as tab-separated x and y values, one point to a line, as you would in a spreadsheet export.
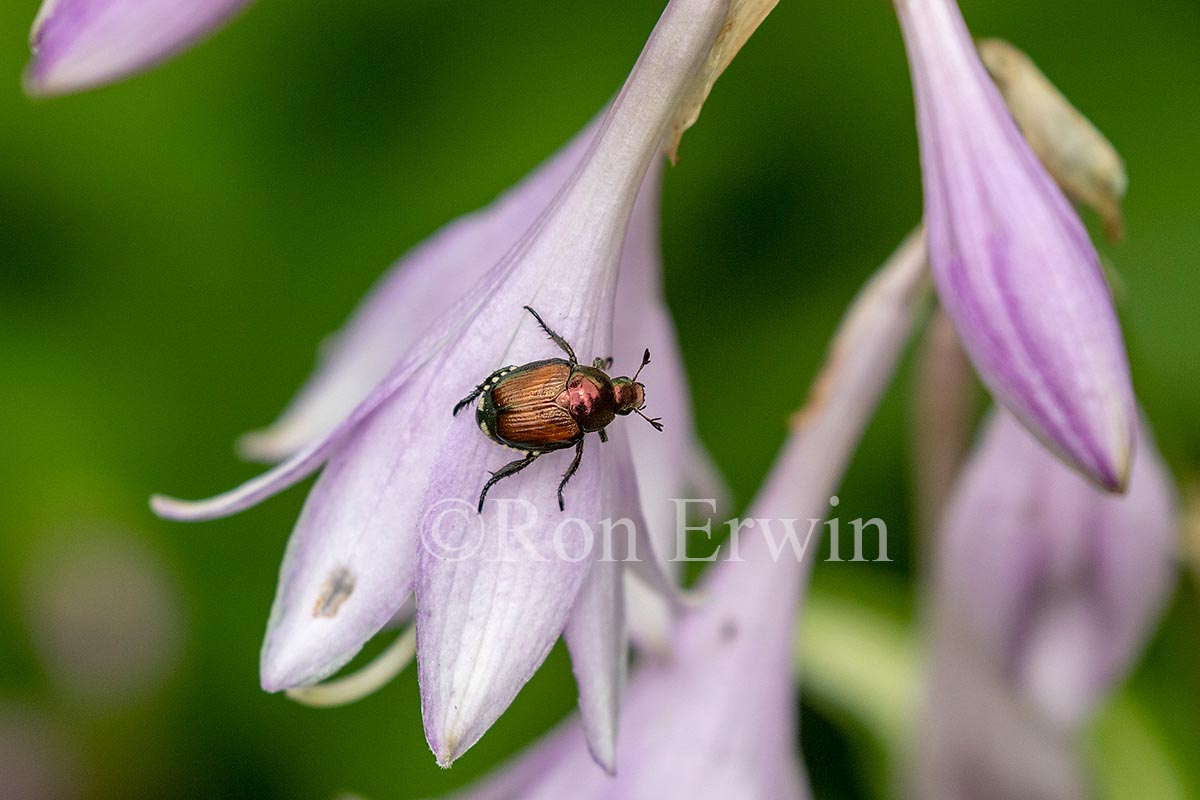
570	471
558	340
603	435
466	401
602	363
478	390
511	468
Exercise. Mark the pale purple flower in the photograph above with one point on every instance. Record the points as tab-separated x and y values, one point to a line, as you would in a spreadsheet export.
1059	582
1046	589
78	44
1013	264
393	511
717	719
423	285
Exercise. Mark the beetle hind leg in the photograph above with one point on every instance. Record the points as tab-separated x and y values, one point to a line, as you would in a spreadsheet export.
466	401
569	474
491	381
511	468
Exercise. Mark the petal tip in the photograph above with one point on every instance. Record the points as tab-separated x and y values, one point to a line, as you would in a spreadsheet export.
450	743
45	77
276	674
30	83
172	508
274	684
37	81
167	507
448	753
1115	478
605	755
1111	470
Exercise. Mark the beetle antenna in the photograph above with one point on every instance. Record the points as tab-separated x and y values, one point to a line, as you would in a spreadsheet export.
645	361
656	423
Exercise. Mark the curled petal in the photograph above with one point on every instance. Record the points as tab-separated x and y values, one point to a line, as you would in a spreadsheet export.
1012	262
366	681
78	44
309	459
495	589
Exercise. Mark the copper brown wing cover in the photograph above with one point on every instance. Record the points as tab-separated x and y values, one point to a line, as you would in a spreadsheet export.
526	409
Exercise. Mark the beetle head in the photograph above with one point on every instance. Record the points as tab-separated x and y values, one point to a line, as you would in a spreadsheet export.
631	396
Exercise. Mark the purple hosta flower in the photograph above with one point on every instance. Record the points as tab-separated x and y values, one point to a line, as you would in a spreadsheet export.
716	720
1013	265
393	511
78	44
1046	589
1059	582
423	285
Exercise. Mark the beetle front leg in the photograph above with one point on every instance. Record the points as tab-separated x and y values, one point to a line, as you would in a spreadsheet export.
570	471
603	435
511	468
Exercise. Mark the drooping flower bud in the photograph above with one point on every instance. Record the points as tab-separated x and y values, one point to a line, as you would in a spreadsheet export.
1011	260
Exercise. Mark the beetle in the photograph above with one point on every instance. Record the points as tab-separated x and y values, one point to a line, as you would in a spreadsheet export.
549	405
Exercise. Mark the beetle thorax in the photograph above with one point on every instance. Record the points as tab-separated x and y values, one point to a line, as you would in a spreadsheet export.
588	398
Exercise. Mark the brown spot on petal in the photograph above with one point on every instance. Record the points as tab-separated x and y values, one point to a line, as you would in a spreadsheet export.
337	589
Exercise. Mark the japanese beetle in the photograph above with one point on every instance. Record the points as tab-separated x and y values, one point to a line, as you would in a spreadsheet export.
551	405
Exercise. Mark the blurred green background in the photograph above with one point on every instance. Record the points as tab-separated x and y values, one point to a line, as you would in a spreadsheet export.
173	248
